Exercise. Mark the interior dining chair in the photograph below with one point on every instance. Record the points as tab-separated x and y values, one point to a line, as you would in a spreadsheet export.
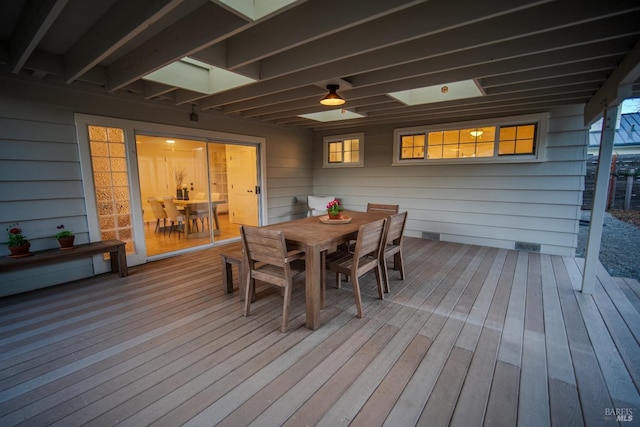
158	212
268	260
200	212
377	207
174	216
393	246
364	258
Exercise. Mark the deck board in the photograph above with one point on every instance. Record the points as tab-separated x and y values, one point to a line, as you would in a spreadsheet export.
473	336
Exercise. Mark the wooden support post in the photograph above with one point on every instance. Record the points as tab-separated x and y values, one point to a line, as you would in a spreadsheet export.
599	199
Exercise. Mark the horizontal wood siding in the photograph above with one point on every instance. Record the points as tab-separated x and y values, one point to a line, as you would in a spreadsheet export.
40	171
485	204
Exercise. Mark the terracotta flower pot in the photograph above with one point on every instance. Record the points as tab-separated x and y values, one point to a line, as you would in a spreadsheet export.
66	242
334	215
20	250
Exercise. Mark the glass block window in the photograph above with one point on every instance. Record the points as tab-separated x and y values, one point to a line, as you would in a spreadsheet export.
111	183
344	151
499	141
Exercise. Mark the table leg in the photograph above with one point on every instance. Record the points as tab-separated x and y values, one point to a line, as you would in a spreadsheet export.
313	286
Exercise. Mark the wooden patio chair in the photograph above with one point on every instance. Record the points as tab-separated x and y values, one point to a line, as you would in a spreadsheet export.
365	257
377	207
393	246
269	261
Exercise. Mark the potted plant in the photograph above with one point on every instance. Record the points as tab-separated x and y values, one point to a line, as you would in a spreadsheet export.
179	174
64	237
18	243
333	209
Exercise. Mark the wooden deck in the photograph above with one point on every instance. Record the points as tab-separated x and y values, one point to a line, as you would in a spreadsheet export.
473	336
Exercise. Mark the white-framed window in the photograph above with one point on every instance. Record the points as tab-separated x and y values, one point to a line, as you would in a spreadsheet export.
343	151
505	140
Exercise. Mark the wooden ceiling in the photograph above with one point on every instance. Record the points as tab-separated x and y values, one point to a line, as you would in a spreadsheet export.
526	56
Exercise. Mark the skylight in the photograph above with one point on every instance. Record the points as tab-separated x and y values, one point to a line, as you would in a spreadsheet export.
197	76
439	93
256	9
332	115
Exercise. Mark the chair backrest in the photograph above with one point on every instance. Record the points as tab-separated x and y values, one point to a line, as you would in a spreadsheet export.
318	204
370	240
172	211
266	256
264	245
156	208
377	207
395	228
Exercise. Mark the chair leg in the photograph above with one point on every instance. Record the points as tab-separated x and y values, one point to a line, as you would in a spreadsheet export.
286	306
356	294
248	284
385	273
399	263
157	224
380	280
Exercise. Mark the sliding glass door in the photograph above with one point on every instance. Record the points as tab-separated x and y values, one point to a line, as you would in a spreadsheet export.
195	192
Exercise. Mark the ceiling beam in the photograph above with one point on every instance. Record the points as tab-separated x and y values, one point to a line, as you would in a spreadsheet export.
457	54
350	42
119	25
419	57
36	18
303	23
570	69
617	88
204	27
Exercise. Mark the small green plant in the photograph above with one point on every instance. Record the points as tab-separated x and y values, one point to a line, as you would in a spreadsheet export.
334	208
63	233
16	238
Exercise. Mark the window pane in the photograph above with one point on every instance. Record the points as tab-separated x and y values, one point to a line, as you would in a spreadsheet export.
468	135
467	150
434	152
526	132
517	140
435	138
524	146
484	149
335	152
508	133
507	147
451	136
412	146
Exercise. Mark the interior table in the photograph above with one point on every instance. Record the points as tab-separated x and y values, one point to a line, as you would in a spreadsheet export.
191	206
315	237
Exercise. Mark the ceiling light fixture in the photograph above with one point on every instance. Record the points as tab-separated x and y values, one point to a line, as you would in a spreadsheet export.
332	97
476	133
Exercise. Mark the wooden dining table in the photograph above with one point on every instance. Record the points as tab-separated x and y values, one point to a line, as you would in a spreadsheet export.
315	237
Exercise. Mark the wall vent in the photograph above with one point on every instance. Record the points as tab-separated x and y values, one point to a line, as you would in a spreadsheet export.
431	236
528	247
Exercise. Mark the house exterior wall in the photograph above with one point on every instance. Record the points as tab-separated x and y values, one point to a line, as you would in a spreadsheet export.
40	171
487	204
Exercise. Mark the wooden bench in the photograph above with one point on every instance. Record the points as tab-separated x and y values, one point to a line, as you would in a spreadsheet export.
116	249
228	257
